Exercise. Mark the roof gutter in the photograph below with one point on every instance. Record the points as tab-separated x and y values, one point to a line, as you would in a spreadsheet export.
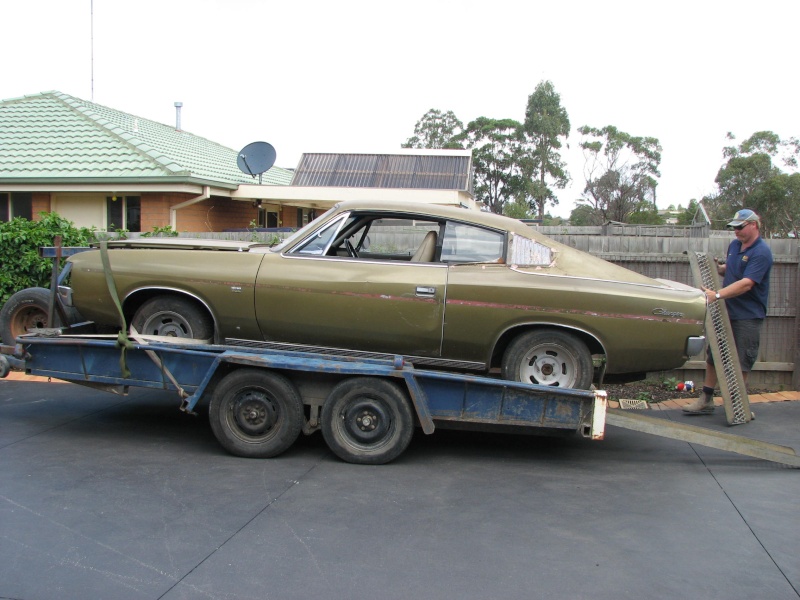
173	210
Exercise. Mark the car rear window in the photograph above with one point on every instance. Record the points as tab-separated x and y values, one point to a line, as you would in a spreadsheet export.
468	243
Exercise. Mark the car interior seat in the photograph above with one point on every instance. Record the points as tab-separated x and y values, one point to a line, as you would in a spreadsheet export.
426	249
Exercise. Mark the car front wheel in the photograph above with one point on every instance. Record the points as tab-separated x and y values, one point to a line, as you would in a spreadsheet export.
549	357
170	316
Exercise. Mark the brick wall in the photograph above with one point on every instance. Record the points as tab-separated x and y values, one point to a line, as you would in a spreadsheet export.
40	202
216	214
155	209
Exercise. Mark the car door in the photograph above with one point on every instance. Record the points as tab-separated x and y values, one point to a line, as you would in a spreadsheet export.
312	296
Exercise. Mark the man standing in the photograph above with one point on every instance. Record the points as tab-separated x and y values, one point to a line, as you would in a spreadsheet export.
745	289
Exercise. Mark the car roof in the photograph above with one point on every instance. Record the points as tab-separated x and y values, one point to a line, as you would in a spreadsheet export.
447	211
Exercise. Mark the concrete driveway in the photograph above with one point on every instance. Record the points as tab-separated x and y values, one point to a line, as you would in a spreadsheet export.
126	497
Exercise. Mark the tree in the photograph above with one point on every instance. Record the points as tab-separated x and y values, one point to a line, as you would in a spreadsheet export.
518	208
546	121
646	216
751	179
620	172
20	240
496	148
686	217
583	215
436	130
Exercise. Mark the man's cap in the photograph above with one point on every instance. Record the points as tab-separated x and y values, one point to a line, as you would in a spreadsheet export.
743	216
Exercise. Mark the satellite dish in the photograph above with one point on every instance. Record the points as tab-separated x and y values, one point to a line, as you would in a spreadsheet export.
256	158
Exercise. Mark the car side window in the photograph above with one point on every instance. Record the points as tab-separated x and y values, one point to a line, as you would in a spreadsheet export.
318	243
395	238
468	243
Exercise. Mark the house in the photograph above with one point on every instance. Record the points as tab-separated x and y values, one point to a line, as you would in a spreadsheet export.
104	168
101	167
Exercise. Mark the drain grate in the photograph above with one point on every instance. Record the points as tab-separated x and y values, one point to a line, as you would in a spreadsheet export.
634	404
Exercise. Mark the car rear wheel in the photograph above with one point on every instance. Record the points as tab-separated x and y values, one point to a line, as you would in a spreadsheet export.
367	421
171	316
256	413
29	309
549	357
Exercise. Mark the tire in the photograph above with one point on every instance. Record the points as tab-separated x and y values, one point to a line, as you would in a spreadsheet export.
172	316
367	421
256	413
549	357
29	309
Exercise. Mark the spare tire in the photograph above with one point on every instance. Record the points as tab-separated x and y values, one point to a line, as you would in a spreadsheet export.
28	309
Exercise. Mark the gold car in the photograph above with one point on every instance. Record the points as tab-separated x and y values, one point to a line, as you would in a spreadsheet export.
443	286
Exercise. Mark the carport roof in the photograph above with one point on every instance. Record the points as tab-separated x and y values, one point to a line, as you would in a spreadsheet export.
415	169
52	136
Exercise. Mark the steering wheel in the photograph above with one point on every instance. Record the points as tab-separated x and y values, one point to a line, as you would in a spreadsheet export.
350	250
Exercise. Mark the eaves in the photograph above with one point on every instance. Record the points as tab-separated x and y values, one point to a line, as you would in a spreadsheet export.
10	184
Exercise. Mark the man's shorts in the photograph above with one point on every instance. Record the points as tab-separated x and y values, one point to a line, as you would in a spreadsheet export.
747	334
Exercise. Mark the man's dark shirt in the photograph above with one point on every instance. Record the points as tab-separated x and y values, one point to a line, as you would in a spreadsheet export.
755	263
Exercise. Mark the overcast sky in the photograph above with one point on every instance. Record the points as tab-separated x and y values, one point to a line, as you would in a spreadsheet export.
355	76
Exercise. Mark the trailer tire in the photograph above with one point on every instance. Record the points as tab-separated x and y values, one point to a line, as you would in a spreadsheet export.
173	316
367	421
549	357
29	309
256	413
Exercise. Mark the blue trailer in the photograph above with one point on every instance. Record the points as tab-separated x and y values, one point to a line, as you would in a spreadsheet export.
261	399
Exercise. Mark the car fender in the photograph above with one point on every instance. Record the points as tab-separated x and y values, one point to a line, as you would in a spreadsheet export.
591	339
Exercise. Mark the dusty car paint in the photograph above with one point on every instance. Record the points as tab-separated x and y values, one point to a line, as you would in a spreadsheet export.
464	312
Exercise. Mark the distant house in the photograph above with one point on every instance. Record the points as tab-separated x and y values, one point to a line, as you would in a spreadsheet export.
111	170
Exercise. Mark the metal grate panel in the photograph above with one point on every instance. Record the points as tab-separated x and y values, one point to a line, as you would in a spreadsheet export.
720	336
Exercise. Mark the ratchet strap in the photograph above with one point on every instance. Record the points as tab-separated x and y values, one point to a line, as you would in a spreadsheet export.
123	341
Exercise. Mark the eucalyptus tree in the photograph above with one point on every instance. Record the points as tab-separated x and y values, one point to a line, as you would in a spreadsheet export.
436	129
621	172
546	122
761	174
496	150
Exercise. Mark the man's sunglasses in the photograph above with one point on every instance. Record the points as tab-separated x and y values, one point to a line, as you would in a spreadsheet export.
740	227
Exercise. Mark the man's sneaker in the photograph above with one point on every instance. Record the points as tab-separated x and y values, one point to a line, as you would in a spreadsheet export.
704	405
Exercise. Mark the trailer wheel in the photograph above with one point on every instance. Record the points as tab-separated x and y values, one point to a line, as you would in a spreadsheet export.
172	316
549	357
367	421
256	413
28	309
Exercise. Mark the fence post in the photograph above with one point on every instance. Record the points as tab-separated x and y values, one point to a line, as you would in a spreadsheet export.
796	370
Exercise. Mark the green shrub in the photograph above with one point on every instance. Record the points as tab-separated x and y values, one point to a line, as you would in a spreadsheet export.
20	239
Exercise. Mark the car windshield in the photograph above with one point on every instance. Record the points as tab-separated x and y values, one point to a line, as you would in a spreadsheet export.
302	232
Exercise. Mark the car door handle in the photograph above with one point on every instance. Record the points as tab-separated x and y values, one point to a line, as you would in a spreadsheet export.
426	292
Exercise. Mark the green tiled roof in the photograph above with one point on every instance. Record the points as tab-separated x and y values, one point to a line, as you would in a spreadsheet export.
53	136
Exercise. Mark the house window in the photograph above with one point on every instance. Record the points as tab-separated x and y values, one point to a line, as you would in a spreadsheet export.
123	212
16	205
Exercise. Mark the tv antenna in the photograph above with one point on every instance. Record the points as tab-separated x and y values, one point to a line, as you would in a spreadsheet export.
256	158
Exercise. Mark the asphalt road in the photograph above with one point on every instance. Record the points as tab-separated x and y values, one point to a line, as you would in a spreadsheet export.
109	497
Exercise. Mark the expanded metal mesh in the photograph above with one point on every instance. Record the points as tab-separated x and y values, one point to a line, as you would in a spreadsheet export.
727	355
